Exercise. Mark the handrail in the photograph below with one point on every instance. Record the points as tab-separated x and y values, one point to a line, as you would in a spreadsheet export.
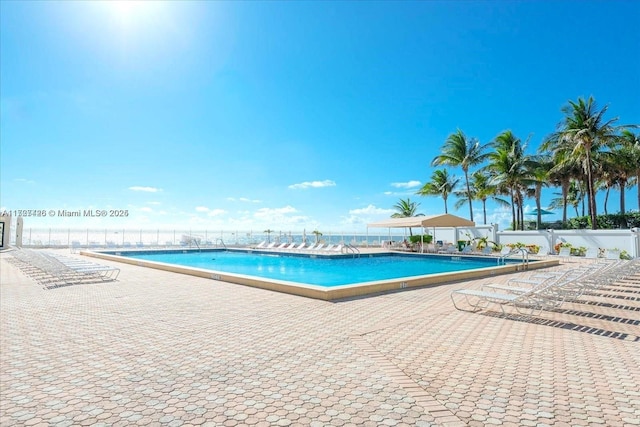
351	249
222	242
192	240
525	257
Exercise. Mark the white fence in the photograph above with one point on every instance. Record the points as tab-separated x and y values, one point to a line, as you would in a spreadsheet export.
624	240
108	238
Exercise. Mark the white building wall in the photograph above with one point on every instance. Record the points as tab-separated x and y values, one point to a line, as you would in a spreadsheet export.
625	240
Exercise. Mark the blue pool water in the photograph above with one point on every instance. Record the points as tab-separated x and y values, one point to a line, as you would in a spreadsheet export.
325	272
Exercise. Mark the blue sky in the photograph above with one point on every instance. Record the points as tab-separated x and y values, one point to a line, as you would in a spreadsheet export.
285	115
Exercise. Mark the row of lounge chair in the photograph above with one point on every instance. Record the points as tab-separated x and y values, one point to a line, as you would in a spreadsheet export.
544	291
55	270
322	248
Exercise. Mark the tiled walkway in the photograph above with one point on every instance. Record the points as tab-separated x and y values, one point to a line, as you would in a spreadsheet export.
157	348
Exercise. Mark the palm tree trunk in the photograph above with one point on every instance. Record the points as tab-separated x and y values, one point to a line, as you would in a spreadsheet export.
484	211
623	186
513	210
638	185
445	205
521	210
538	206
590	190
466	177
565	197
606	200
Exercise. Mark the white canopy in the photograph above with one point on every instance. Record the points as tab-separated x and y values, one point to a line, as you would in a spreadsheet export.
443	220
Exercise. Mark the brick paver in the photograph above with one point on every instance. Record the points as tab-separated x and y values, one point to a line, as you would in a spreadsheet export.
158	348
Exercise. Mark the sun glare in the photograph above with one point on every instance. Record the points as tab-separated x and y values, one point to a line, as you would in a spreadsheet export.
126	9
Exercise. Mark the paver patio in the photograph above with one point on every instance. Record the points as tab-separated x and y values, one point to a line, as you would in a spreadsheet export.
159	348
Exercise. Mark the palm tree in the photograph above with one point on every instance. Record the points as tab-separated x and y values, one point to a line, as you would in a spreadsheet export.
509	170
631	144
481	189
441	184
268	231
608	180
458	150
562	175
406	209
583	132
573	197
539	171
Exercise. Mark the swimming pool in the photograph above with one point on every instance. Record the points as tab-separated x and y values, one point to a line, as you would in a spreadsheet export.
323	277
321	271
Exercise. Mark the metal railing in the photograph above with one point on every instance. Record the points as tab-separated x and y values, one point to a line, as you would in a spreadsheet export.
167	238
351	249
525	257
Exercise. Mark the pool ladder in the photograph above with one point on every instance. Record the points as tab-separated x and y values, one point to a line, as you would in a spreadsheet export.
350	249
221	243
525	257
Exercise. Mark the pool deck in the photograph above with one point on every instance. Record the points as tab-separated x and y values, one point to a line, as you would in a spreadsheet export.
162	348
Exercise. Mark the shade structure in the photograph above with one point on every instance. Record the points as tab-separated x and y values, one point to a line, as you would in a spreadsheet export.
442	220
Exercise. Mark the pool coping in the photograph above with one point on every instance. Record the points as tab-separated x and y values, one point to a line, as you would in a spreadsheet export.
327	294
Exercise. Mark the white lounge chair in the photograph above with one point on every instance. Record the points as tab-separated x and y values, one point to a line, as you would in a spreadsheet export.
543	251
528	303
565	253
570	285
592	253
612	254
319	247
450	249
487	250
505	250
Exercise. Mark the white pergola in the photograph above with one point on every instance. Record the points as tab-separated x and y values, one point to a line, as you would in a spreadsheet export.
427	221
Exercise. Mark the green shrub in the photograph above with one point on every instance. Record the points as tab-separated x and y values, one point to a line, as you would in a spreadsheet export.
428	238
606	222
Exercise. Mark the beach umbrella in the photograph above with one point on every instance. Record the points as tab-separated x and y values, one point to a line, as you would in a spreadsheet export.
542	212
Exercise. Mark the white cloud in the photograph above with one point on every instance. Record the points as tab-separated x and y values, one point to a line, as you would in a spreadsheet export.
210	212
362	216
266	212
216	212
276	217
146	209
145	189
25	181
371	210
243	199
500	215
313	184
408	184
